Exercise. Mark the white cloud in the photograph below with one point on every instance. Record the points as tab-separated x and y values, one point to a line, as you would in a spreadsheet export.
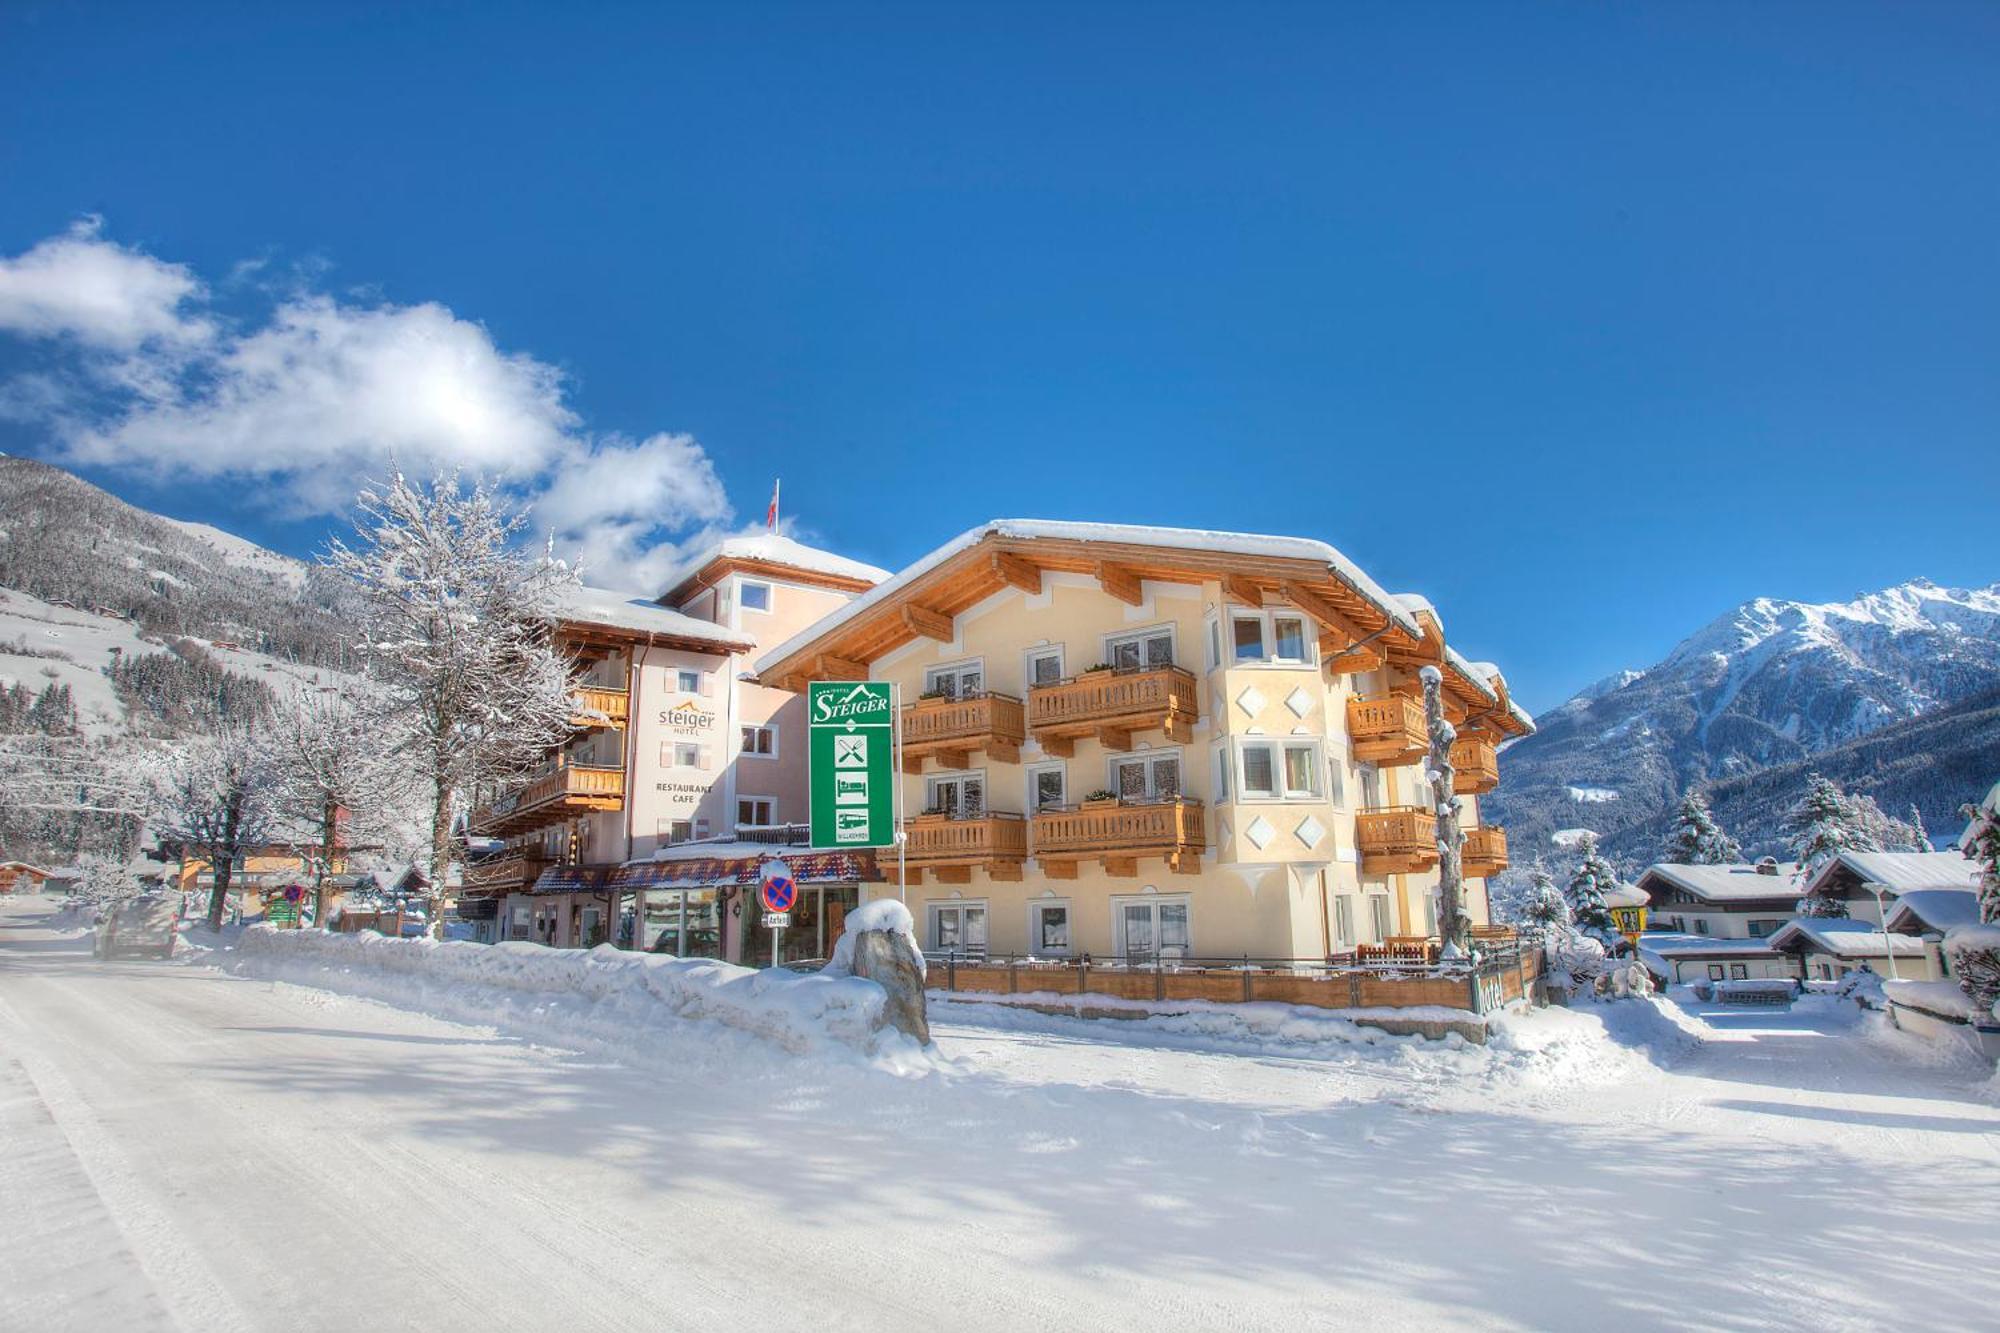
324	394
80	286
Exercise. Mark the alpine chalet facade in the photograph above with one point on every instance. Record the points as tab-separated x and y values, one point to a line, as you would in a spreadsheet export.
1147	743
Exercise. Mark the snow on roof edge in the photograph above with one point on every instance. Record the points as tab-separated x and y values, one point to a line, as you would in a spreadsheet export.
777	549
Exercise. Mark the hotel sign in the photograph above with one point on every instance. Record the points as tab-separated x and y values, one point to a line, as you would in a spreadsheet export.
852	728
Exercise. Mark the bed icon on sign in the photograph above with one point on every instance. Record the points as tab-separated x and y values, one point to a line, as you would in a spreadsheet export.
850	789
850	752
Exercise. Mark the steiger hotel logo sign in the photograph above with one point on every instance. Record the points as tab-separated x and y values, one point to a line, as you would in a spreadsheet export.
852	726
689	719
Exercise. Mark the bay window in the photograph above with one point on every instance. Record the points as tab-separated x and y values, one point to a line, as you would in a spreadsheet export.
1287	770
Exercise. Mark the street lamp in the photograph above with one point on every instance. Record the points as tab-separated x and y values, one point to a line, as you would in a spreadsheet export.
1882	919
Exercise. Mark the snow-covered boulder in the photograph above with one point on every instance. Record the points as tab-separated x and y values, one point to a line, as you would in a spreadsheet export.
880	945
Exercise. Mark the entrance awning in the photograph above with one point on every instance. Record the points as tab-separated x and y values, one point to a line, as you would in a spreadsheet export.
807	868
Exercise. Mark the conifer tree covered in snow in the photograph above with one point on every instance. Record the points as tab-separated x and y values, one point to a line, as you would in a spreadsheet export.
1921	836
216	797
1975	950
1821	827
456	627
1588	883
1697	839
1546	914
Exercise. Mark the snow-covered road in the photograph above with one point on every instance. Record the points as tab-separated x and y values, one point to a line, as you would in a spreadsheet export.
180	1147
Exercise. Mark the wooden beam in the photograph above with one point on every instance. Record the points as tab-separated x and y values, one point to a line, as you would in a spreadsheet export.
953	759
931	624
829	667
1003	752
1114	738
1122	867
1008	871
1368	657
1018	573
952	874
1059	869
1120	583
1061	747
1243	590
1325	612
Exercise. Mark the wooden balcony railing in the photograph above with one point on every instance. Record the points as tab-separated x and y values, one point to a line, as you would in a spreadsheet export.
1118	834
952	729
1111	705
510	871
1396	841
1476	765
1387	728
949	847
561	792
600	706
1485	851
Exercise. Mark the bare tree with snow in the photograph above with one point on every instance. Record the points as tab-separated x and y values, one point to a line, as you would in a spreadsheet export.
215	796
335	779
1453	922
456	630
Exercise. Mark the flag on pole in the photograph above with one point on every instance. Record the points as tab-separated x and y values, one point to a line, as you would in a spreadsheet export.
771	514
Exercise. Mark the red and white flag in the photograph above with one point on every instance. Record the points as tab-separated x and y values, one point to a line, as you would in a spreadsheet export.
771	514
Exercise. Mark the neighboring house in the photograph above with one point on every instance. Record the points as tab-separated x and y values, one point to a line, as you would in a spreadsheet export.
1248	706
1676	958
1824	948
20	877
1850	878
1738	902
673	745
258	873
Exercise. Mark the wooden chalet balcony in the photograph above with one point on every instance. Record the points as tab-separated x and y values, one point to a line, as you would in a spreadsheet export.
571	790
1387	729
950	730
1396	841
950	847
509	872
1111	706
1476	765
1485	851
599	706
1118	835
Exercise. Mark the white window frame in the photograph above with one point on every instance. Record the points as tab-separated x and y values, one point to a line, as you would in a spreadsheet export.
1336	779
700	687
700	760
1148	757
1029	658
938	906
1119	902
769	728
1170	631
1381	916
1344	927
745	585
1036	906
1224	777
1033	771
1267	619
956	670
1280	776
770	801
932	781
1212	632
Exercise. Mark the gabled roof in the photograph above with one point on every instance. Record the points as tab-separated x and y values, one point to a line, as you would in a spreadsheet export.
1899	872
1934	910
771	554
1843	937
1726	883
632	616
1675	944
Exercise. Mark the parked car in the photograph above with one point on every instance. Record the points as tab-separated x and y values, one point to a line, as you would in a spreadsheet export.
144	926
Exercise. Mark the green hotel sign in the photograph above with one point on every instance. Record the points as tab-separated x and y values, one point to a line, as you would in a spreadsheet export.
852	725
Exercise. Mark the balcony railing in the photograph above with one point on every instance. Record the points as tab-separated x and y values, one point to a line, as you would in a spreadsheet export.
1476	765
1396	841
560	792
600	706
1485	851
950	847
509	871
952	729
1118	833
1111	705
1387	728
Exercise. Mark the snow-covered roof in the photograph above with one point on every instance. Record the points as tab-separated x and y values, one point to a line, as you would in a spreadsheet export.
1945	998
1726	883
1674	944
1626	895
1844	937
1934	909
1902	872
640	615
771	548
1190	539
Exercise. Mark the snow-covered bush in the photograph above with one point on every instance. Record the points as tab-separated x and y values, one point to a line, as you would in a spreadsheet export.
1864	987
1975	950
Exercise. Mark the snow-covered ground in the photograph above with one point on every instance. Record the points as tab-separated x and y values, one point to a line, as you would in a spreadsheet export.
182	1146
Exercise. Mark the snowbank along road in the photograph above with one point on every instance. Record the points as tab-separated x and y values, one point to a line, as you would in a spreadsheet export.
185	1148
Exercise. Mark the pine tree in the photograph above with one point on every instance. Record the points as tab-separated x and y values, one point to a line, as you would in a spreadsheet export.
1824	824
457	627
1923	835
1591	880
1547	914
1696	839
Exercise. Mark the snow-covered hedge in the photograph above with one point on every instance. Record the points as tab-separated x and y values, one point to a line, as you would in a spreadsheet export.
619	993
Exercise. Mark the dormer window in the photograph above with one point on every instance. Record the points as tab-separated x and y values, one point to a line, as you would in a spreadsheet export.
754	596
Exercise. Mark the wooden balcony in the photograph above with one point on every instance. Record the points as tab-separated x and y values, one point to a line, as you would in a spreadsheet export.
949	848
1118	835
599	706
1397	841
1387	729
1111	706
1485	851
510	872
952	730
1476	765
571	790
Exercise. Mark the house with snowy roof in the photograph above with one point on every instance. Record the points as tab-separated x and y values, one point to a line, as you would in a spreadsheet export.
1853	878
1154	743
1825	948
671	744
1740	902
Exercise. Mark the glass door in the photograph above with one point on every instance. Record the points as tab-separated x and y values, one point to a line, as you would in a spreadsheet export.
956	797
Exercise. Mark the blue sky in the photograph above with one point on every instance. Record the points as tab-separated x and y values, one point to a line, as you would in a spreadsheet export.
1635	310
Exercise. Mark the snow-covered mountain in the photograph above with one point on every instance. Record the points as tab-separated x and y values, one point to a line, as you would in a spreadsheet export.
1771	683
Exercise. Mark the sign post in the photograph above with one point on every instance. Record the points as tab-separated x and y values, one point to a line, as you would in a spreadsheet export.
777	891
851	763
